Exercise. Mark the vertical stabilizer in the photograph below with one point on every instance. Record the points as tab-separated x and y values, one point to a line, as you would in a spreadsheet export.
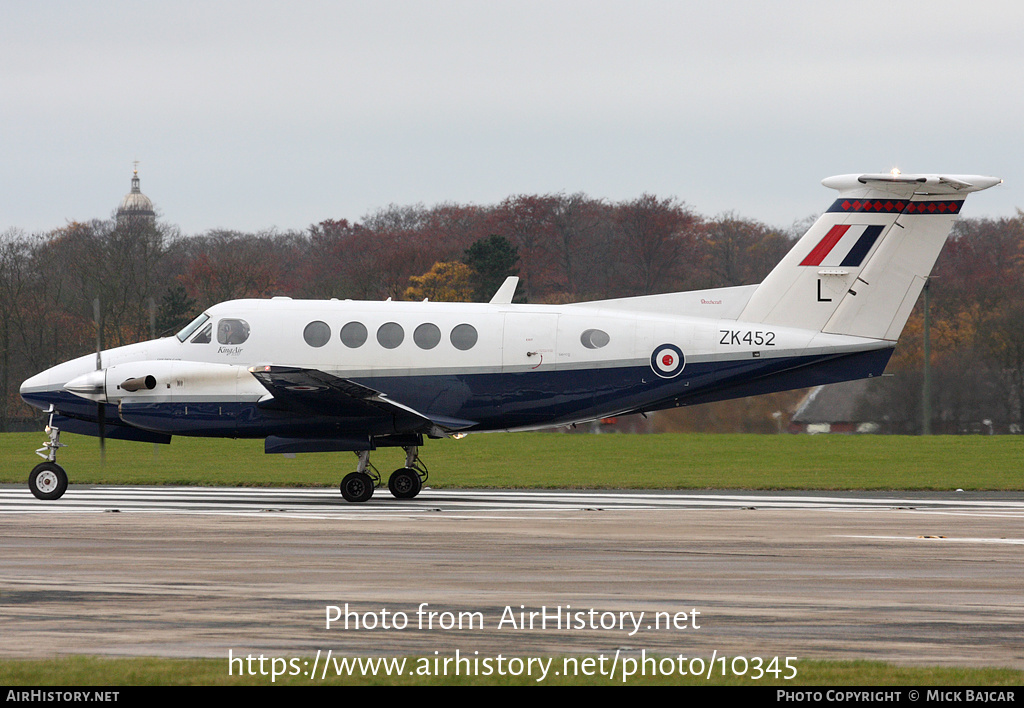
860	268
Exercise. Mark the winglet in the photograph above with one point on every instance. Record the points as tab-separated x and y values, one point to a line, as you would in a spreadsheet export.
506	291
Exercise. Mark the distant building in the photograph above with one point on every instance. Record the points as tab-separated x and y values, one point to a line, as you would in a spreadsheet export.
136	208
833	409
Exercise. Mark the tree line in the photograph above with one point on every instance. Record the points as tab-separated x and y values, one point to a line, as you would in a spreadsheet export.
150	278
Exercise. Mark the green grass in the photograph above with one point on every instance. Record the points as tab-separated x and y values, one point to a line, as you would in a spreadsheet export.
552	460
94	671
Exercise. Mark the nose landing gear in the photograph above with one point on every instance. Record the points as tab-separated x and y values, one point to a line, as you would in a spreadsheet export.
48	480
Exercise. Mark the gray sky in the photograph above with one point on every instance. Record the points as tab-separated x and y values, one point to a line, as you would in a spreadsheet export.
251	115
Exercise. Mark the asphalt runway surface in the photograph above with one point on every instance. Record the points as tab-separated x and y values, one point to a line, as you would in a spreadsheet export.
910	578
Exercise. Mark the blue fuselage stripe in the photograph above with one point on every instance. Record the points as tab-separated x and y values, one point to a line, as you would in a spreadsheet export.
497	401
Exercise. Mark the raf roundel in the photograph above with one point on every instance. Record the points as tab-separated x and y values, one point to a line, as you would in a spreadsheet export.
667	361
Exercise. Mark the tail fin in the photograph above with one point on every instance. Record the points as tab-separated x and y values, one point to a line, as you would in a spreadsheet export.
860	268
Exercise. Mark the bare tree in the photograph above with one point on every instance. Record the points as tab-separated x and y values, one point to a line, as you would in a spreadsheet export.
657	234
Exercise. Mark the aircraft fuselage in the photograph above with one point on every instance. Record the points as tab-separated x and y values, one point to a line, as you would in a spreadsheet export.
493	367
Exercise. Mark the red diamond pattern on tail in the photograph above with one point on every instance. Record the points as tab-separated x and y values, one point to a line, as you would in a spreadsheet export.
877	206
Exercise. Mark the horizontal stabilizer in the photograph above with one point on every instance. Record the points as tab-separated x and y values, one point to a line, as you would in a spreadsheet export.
910	185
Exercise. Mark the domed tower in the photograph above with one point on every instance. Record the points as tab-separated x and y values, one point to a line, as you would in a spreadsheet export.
136	208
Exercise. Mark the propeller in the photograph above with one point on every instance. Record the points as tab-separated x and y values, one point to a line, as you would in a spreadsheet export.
101	407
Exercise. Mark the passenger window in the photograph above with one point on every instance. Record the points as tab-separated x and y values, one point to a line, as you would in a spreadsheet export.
317	334
390	335
204	336
464	337
353	335
232	331
427	336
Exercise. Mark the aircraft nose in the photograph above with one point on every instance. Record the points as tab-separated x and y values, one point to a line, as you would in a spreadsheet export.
47	387
34	389
36	382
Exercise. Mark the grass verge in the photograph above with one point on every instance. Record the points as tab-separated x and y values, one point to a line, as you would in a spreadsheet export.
553	460
94	671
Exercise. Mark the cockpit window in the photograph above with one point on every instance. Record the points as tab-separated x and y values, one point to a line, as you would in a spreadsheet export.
204	334
192	327
232	331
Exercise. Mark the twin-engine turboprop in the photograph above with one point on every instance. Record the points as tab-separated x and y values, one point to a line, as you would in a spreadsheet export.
316	376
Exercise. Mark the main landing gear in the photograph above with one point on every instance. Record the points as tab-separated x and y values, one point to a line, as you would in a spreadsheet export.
404	483
48	480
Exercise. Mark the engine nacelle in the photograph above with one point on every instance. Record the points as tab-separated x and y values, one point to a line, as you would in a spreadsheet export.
165	381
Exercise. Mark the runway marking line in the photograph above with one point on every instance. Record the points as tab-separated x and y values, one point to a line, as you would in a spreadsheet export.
1006	541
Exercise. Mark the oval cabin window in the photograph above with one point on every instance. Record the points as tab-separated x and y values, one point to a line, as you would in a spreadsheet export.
464	337
594	338
317	334
353	335
390	335
427	336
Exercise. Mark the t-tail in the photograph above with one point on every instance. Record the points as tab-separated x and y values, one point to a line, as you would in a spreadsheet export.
861	266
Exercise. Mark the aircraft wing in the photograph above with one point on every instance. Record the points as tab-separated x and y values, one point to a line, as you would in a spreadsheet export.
311	391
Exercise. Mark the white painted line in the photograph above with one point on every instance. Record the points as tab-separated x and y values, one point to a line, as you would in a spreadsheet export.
937	539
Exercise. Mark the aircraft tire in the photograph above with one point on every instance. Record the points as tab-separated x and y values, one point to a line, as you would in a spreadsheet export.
48	481
405	483
357	487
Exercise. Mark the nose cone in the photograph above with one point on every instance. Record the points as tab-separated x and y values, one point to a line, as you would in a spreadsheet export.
33	390
92	385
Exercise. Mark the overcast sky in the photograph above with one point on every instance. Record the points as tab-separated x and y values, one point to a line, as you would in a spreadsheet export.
251	115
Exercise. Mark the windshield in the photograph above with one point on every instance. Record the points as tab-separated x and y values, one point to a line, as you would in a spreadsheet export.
192	327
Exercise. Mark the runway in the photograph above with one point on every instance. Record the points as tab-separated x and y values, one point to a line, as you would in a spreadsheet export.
915	578
327	503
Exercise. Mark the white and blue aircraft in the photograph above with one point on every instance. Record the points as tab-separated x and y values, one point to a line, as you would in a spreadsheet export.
316	376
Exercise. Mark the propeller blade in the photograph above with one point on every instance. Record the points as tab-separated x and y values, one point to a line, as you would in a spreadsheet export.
101	408
101	414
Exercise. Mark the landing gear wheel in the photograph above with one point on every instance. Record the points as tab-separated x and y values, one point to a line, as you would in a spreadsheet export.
48	481
405	483
357	487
